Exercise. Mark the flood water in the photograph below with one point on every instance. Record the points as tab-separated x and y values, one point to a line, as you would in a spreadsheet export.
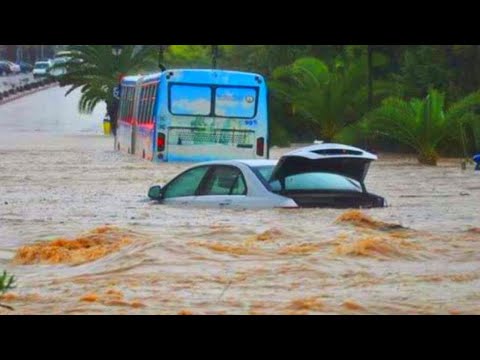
60	178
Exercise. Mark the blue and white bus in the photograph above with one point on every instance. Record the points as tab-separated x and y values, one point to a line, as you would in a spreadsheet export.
193	115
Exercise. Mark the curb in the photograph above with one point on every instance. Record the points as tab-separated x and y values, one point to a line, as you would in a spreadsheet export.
26	93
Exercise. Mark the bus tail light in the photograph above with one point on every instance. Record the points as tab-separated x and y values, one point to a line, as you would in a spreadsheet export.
161	142
260	146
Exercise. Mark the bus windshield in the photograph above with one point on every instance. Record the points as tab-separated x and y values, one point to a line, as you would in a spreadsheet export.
190	100
235	102
228	101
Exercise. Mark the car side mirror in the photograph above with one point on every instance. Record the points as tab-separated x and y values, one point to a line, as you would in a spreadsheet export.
155	193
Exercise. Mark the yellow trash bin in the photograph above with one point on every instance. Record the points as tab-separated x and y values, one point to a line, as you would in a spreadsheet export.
107	126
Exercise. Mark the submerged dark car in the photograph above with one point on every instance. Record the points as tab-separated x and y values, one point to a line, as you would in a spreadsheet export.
25	67
325	175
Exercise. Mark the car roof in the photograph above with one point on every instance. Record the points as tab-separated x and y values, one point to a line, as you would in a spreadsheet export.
260	162
250	163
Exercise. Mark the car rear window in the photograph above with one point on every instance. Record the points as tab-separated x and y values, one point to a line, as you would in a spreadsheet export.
318	181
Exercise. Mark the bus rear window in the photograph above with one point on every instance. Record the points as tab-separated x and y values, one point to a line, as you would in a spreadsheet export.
235	102
190	100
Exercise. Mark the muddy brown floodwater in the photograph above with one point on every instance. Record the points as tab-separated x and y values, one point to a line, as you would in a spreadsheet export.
78	232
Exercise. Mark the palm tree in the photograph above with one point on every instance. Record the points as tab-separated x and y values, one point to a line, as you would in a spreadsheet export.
422	124
7	282
96	71
329	99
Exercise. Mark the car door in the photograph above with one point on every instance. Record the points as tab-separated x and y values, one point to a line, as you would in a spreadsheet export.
183	189
224	187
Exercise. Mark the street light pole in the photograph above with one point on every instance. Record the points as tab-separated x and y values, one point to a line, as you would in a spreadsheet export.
161	51
112	111
117	51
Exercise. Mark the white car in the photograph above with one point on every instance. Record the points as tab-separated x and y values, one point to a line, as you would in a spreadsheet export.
59	67
323	175
41	69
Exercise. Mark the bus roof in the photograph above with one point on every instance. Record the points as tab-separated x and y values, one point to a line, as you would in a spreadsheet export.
208	76
199	76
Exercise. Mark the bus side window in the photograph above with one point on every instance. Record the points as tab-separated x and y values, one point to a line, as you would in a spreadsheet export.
146	117
131	99
152	104
154	97
143	104
147	104
127	105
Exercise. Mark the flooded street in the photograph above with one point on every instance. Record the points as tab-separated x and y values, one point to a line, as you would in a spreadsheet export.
61	179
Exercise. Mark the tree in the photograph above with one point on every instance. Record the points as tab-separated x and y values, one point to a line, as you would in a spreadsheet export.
422	124
11	52
7	282
370	76
328	98
189	56
424	67
96	71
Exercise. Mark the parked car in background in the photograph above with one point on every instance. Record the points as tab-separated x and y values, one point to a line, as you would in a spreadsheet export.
476	159
13	67
25	67
41	69
5	69
318	176
59	67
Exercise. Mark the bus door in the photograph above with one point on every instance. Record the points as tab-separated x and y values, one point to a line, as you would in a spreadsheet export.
124	126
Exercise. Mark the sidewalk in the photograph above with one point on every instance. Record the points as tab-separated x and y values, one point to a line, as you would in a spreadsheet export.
12	81
17	84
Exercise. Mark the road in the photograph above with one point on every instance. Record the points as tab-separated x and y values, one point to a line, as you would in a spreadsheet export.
59	177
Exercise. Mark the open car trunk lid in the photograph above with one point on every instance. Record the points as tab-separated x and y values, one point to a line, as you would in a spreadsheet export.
331	158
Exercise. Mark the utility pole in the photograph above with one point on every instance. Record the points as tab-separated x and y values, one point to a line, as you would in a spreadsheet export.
370	76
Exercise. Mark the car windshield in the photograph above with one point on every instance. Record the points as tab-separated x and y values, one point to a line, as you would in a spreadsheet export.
41	65
309	181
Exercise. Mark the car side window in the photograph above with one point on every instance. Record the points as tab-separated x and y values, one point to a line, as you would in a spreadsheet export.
225	180
186	184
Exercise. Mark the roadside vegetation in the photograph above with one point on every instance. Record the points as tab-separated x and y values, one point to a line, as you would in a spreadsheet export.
7	283
399	98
